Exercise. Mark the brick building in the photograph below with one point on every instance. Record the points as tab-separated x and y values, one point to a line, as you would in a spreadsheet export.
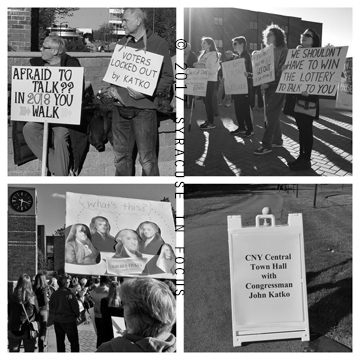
19	29
223	24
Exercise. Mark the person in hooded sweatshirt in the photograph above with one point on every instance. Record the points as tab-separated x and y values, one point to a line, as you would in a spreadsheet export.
149	312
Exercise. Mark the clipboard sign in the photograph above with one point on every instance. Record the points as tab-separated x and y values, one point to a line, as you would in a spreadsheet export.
268	280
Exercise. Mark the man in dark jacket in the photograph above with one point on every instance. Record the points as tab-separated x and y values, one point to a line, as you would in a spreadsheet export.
64	310
53	54
134	118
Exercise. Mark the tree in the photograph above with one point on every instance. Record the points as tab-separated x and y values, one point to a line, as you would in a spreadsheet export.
166	199
104	33
162	21
43	264
47	16
60	232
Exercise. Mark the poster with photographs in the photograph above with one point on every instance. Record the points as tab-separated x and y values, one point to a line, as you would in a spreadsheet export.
119	236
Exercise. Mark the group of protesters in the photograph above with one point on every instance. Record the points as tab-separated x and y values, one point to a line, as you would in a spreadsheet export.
131	121
147	305
210	58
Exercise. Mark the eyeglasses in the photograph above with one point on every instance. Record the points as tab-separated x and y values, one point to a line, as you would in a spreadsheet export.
44	47
307	35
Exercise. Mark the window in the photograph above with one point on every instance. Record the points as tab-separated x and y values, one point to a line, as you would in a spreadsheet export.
218	21
218	43
253	25
253	46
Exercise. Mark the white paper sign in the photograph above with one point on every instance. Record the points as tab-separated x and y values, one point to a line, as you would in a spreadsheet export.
196	82
234	75
268	280
118	325
52	94
263	66
314	70
134	68
147	226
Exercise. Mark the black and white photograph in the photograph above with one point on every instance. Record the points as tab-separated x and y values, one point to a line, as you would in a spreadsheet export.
113	113
270	91
268	268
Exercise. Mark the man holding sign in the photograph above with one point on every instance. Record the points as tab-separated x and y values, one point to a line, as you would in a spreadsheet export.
53	54
134	119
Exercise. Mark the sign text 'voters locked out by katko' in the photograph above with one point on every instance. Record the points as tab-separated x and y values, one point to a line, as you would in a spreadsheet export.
134	68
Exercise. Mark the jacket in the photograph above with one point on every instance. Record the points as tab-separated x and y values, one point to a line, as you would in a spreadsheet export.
157	45
280	54
17	316
97	294
135	343
79	144
64	307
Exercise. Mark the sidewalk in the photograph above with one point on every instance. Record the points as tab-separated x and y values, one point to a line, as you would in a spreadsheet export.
102	163
218	153
87	339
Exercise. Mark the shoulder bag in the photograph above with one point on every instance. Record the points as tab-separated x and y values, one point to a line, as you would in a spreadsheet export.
33	326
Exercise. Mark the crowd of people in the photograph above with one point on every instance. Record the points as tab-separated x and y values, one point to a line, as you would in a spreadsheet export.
147	305
296	105
125	117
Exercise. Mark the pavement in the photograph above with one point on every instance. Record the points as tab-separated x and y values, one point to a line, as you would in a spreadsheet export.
218	153
102	163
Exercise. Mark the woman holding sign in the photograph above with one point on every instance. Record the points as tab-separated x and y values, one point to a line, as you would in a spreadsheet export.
274	102
305	111
209	59
242	101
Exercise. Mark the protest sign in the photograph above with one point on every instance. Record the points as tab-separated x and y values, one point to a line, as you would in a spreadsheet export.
196	82
263	66
314	70
344	94
124	237
268	280
134	68
118	326
47	94
234	75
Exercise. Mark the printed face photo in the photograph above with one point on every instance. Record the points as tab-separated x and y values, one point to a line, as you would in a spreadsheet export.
101	226
149	230
130	240
80	233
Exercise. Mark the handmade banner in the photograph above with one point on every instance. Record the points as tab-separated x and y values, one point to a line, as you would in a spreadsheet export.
196	82
119	236
134	68
268	280
263	66
344	94
52	94
234	75
314	70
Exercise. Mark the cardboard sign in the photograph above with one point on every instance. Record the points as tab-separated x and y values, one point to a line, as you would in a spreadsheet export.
314	70
134	68
196	82
268	280
52	94
344	94
263	66
137	251
234	75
